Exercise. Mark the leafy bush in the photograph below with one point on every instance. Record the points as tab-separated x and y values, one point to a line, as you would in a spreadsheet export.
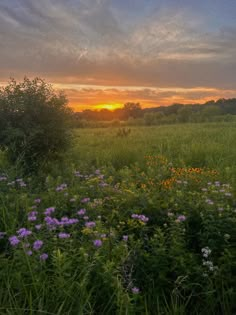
33	122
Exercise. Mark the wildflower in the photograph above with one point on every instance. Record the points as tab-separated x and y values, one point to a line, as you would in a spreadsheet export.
206	251
181	218
32	216
140	217
90	224
49	210
51	222
2	234
29	252
11	183
67	221
38	226
209	202
37	245
97	243
103	235
23	232
37	200
72	200
125	238
85	200
135	290
85	217
43	257
81	212
97	172
3	178
61	187
63	235
103	184
204	189
14	240
227	194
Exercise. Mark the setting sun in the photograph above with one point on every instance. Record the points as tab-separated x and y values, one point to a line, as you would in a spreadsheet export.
109	106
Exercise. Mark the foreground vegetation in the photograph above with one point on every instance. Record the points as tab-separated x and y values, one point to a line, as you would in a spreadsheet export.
138	221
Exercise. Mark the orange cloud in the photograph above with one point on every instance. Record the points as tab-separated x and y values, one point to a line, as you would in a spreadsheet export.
97	97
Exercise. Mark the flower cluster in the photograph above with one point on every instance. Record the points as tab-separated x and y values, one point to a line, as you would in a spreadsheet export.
140	217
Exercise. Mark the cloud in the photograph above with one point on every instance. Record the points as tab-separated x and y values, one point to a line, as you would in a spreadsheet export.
102	42
93	97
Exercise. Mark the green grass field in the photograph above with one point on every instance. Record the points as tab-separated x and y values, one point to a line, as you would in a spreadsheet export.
136	224
192	145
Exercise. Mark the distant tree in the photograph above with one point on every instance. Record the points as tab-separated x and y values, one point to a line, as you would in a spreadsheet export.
209	112
184	113
132	110
34	122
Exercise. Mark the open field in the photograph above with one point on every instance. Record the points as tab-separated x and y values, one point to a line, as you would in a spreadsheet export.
192	145
136	224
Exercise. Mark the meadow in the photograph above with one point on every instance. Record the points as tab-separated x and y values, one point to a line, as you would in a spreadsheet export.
134	220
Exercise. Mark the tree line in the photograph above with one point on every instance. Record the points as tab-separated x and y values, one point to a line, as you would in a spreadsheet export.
220	110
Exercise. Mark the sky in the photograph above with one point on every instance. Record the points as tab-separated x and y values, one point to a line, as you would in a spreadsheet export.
104	53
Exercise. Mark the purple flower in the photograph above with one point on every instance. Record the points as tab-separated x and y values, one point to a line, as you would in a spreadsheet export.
32	216
140	217
38	200
37	245
3	178
97	172
90	224
43	257
29	252
135	290
181	218
63	235
49	210
23	232
85	200
81	212
2	234
97	243
67	221
125	238
14	240
61	187
85	217
51	221
38	226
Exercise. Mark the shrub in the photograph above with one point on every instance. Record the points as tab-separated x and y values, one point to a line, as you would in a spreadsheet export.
33	122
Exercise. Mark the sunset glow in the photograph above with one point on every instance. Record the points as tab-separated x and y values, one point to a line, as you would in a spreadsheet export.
104	53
